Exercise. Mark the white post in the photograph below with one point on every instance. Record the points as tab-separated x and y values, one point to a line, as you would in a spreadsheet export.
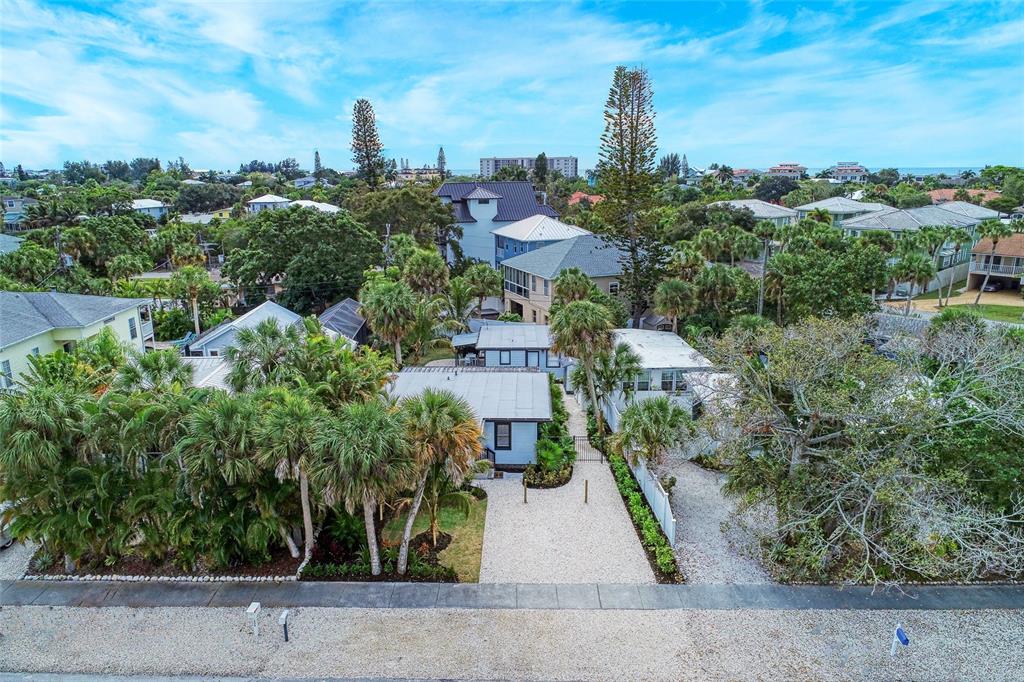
254	613
895	641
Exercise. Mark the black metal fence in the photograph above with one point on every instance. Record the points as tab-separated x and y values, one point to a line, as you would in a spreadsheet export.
585	451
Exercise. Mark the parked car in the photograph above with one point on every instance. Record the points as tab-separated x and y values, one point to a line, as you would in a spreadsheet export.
993	286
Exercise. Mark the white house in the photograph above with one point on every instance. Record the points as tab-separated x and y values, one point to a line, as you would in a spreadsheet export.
213	342
267	202
671	367
479	208
150	207
316	205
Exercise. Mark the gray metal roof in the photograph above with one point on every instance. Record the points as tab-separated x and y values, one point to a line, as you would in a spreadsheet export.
843	205
494	394
9	243
660	350
265	310
343	317
588	252
27	314
908	219
209	372
517	199
762	210
514	336
541	228
966	208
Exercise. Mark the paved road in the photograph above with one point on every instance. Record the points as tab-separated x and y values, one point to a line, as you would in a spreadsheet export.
506	596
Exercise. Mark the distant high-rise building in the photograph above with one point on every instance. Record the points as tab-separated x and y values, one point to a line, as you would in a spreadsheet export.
569	166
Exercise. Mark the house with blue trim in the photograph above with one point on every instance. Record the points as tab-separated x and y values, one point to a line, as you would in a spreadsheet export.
510	404
214	342
481	207
511	346
529	234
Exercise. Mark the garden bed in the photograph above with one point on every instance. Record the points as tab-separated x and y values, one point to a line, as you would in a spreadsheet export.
656	546
537	477
281	566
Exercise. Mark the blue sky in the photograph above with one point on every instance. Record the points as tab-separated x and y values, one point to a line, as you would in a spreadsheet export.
745	83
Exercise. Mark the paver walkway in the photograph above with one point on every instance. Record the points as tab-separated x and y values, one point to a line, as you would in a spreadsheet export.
506	596
557	538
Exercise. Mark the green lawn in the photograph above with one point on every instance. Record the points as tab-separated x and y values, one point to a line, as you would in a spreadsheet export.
934	295
432	354
466	548
999	313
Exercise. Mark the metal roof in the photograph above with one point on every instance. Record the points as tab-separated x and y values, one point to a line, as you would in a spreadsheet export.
966	208
265	310
517	199
514	336
494	394
9	243
27	314
539	228
589	253
147	203
762	210
904	219
269	199
843	205
660	350
481	193
209	372
317	205
344	318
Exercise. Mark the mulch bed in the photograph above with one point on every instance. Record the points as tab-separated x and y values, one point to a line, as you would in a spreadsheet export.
281	564
420	544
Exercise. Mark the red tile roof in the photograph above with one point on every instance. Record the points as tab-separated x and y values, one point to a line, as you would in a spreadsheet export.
942	195
1008	246
577	197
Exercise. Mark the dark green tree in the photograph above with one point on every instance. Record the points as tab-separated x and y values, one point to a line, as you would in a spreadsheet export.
540	169
366	144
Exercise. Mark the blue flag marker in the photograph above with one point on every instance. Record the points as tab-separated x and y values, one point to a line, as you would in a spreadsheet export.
899	638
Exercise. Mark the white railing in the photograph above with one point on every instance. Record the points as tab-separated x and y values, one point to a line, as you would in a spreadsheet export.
147	329
997	269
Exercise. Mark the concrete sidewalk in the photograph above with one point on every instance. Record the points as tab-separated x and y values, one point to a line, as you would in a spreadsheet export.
507	596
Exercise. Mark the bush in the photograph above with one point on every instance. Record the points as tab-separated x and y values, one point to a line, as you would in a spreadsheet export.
649	530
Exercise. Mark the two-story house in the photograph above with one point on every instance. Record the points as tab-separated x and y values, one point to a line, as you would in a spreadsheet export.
849	171
793	171
479	208
511	345
14	212
151	207
529	278
529	234
1006	265
670	367
214	342
267	202
510	404
840	208
38	323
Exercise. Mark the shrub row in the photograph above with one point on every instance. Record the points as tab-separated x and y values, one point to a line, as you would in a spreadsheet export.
651	536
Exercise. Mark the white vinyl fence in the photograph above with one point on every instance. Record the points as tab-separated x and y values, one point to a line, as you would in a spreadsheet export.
657	498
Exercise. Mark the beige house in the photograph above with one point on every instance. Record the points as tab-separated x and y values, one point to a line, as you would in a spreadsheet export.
41	323
529	278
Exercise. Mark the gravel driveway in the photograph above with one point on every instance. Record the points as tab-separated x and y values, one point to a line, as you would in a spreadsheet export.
516	645
14	560
556	538
710	547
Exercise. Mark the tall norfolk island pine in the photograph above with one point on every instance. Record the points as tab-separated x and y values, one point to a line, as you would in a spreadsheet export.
366	144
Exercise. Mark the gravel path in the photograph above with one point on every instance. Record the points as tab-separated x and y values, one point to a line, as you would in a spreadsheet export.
14	560
710	548
520	645
556	538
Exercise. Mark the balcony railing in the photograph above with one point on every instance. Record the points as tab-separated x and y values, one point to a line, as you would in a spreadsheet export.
147	329
997	269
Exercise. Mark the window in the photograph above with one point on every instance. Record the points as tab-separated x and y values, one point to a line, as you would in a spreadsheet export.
553	360
547	287
643	381
132	330
517	282
666	381
6	375
681	380
214	353
484	201
613	288
533	283
534	315
533	356
502	435
504	357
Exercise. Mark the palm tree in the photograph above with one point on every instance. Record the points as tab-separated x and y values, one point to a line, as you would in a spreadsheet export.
765	230
126	266
157	371
675	298
960	238
615	370
219	440
287	437
685	262
445	440
390	309
258	354
484	281
364	459
572	284
708	243
580	329
191	282
650	428
914	268
458	302
993	230
426	272
820	215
